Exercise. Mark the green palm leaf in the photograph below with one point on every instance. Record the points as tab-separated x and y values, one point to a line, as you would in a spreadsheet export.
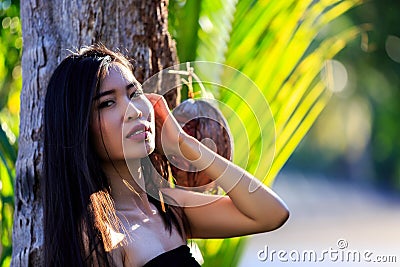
7	174
275	44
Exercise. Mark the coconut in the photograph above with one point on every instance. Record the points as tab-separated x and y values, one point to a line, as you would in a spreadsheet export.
207	124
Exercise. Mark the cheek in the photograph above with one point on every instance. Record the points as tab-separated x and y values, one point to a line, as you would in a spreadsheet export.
110	131
105	134
147	104
148	107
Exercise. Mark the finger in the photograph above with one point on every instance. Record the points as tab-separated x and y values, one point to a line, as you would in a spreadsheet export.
151	97
154	98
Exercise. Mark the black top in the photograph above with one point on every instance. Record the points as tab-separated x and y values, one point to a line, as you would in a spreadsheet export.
178	257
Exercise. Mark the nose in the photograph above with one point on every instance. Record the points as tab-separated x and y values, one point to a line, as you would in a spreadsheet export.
132	112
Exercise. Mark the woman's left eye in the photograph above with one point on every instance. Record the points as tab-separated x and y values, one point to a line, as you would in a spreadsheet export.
138	92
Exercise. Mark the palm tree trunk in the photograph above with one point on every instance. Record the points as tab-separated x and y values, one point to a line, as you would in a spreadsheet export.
50	29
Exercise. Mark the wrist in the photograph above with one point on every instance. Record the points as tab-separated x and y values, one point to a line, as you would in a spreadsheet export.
184	138
188	147
196	153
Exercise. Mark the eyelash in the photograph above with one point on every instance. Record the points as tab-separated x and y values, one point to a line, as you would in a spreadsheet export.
138	92
106	104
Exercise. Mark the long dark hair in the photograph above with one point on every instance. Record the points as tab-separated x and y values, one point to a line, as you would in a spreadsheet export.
75	187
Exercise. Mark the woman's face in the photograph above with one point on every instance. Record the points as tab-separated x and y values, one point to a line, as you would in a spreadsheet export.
122	117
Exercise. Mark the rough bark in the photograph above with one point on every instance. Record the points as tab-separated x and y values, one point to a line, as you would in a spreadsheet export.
50	29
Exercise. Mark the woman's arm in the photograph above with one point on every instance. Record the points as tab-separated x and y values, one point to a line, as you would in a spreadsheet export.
250	206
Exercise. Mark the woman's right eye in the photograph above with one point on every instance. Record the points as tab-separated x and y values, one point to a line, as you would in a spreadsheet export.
106	104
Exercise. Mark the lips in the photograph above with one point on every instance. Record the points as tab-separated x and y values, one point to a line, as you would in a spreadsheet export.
139	132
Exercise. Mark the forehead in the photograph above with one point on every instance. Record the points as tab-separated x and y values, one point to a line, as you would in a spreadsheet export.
117	75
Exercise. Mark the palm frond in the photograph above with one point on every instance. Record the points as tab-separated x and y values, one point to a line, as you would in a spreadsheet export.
280	54
7	174
272	93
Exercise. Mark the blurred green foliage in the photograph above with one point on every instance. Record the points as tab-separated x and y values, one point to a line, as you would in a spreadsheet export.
10	88
357	136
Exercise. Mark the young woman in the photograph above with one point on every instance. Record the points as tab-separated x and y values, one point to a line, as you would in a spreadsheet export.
102	204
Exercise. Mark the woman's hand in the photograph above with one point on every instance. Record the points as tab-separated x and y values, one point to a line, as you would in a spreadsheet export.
246	210
168	131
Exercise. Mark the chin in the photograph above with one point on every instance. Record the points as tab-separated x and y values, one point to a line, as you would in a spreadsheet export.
138	150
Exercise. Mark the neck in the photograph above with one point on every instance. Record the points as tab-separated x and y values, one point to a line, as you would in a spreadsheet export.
127	185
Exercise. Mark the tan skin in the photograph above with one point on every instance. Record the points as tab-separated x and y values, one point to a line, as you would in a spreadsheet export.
238	213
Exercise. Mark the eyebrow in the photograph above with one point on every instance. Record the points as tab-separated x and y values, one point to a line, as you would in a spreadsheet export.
112	91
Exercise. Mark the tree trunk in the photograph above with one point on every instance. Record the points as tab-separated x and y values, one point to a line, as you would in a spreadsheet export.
50	29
